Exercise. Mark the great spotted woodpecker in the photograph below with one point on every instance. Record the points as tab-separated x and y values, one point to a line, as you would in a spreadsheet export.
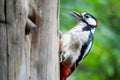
76	43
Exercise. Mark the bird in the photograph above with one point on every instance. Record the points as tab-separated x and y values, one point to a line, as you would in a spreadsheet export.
75	44
30	27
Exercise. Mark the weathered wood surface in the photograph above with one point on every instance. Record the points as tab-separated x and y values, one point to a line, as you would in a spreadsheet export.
3	43
32	57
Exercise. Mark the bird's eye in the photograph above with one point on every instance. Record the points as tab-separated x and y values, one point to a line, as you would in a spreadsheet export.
86	16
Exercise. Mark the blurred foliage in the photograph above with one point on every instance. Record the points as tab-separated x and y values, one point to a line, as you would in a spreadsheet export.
103	61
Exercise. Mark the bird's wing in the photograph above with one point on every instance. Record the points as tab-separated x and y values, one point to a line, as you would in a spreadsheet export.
86	47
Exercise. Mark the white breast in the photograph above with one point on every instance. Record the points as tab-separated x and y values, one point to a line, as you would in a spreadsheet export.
74	36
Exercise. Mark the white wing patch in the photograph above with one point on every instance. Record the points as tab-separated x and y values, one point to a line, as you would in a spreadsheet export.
87	50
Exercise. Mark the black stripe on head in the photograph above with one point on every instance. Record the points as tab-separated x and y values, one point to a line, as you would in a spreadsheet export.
90	16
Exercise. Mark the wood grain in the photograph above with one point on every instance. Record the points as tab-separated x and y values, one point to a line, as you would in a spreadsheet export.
31	57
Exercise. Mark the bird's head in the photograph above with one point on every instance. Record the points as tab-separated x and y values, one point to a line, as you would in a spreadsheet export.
86	18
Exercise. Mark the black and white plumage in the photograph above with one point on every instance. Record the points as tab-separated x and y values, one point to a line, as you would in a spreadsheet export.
76	43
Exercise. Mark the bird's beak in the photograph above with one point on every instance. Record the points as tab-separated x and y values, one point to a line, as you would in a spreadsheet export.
77	15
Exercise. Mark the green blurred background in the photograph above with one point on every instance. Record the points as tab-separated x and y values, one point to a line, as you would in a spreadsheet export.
103	61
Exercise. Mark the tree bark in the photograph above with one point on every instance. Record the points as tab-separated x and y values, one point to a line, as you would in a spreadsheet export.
33	56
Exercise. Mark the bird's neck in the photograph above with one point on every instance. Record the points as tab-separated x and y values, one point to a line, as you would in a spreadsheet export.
86	27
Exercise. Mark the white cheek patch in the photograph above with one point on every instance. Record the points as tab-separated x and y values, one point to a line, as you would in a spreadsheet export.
91	21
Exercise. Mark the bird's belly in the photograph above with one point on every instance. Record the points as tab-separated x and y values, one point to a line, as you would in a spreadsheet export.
76	45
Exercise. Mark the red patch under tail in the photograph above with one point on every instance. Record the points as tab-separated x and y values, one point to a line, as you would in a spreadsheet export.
65	70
